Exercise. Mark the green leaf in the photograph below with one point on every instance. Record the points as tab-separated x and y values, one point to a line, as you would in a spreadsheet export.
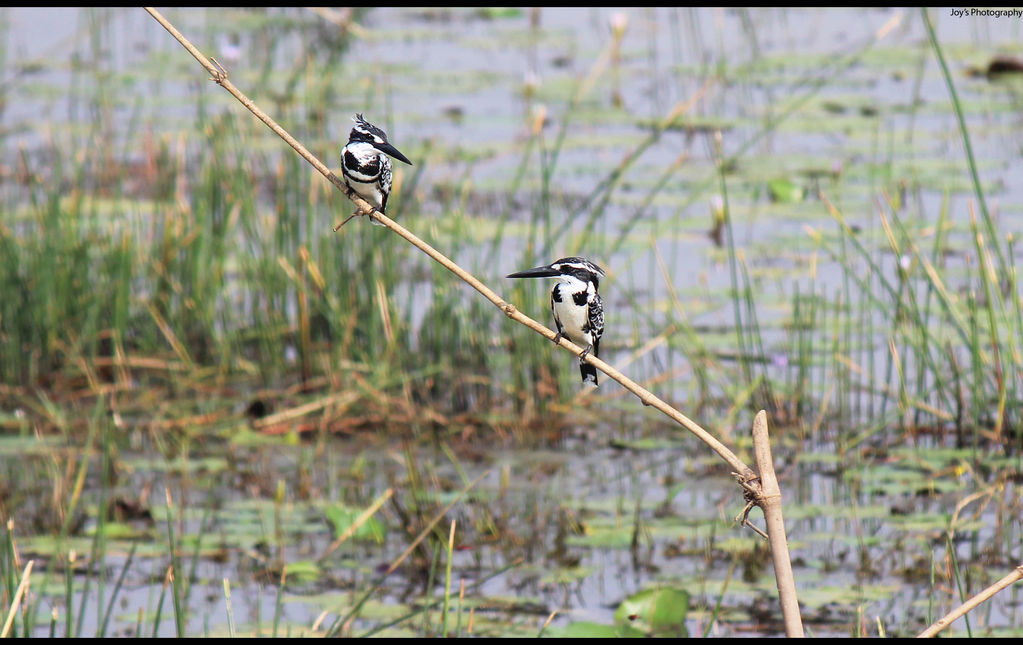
342	517
785	191
116	530
659	612
303	571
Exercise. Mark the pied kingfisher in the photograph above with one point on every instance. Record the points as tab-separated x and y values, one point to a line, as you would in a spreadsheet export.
365	165
578	308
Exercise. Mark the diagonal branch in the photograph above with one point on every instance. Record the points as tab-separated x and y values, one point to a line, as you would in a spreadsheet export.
219	75
1013	577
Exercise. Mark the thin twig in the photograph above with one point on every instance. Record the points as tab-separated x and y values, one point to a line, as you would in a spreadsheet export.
343	622
220	76
960	611
359	521
16	601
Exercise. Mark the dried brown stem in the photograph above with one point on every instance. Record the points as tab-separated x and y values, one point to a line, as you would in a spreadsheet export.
359	521
770	504
22	589
219	76
1015	576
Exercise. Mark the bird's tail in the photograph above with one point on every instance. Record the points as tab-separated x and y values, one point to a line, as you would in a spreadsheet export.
589	373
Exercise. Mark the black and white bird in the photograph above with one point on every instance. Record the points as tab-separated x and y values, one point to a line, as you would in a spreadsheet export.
364	163
578	308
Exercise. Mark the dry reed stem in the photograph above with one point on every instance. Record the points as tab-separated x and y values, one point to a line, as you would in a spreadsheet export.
341	399
16	601
946	620
318	621
770	504
433	522
359	521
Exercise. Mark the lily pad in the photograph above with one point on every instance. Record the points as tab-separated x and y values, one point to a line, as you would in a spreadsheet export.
342	517
656	612
587	629
785	191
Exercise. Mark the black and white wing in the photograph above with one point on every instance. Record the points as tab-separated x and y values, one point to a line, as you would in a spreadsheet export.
384	182
596	314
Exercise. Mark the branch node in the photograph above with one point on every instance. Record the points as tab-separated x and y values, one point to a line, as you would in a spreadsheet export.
751	488
220	75
753	495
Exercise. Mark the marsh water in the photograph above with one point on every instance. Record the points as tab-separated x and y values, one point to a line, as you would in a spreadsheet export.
892	520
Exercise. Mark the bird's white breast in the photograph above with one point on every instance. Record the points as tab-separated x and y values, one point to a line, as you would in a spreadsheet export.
367	157
366	184
573	318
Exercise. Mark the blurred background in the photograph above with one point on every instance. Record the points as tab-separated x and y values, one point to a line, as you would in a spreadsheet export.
807	211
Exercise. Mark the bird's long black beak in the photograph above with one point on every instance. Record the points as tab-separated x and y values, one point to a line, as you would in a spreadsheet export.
388	149
538	272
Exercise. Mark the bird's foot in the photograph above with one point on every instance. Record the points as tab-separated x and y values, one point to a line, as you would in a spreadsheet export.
582	356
